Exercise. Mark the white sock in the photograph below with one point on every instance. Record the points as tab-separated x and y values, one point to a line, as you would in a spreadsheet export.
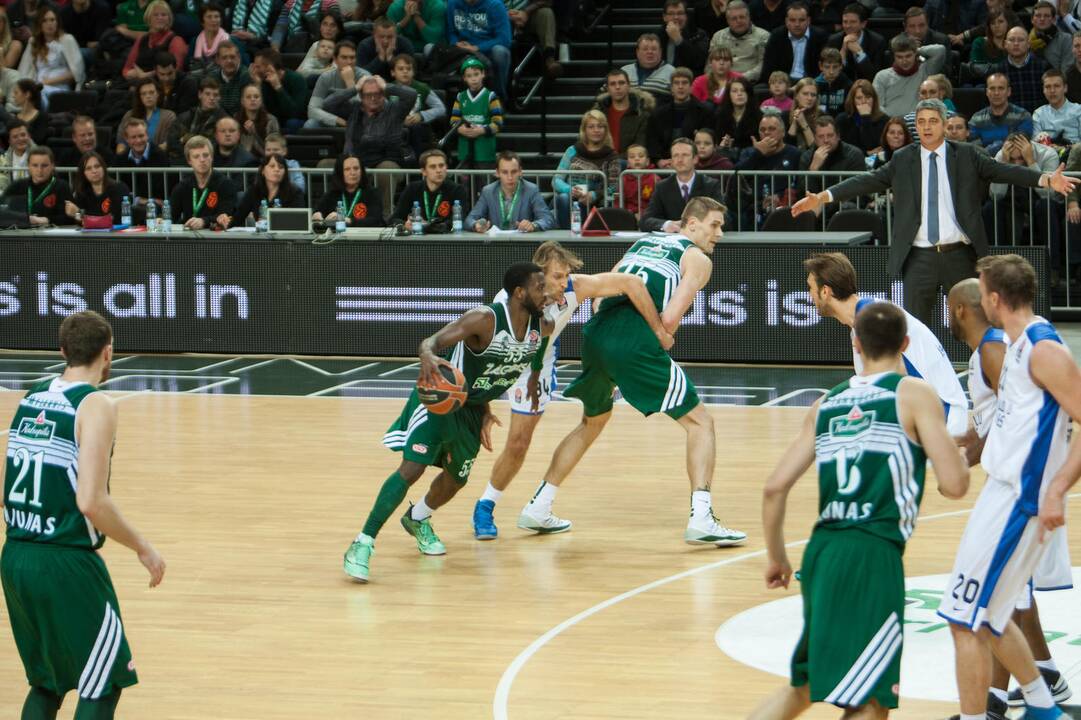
542	501
490	493
362	536
701	504
421	511
1047	665
1000	694
1037	694
981	716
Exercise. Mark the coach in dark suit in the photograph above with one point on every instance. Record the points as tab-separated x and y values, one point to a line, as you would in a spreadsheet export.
671	194
781	48
938	227
863	51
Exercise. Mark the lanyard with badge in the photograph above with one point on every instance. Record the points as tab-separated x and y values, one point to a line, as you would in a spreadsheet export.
31	200
507	213
349	207
430	210
197	204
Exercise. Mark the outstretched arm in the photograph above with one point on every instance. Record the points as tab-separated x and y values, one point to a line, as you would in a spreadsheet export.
795	462
696	268
475	328
617	283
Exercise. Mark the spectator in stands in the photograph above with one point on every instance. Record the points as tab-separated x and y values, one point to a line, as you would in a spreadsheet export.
428	108
510	203
989	49
711	86
627	110
332	30
1073	73
768	14
746	42
52	57
361	203
862	122
204	51
250	23
917	27
295	14
795	48
321	62
801	121
159	36
930	89
1059	121
17	155
898	87
671	194
991	125
141	153
1012	208
578	182
434	194
710	15
829	155
1024	69
285	92
206	199
478	115
171	82
374	128
145	97
376	53
275	144
229	153
254	120
84	138
863	51
677	117
826	15
344	76
45	195
957	131
368	11
1070	267
649	71
11	48
23	14
1046	40
482	27
272	186
536	18
638	189
230	74
87	21
26	96
682	43
424	22
199	121
707	154
832	84
130	19
737	119
95	192
780	92
769	153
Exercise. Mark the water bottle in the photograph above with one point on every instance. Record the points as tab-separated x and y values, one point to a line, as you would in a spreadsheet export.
151	215
277	202
262	224
456	218
576	219
339	221
125	211
418	219
166	217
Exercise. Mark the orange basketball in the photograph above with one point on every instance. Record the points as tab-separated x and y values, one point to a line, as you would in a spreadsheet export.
447	395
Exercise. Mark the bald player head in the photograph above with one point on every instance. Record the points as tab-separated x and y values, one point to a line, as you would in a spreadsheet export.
968	322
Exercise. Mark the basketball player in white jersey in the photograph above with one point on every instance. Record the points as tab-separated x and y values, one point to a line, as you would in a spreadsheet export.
1027	452
969	324
531	394
832	282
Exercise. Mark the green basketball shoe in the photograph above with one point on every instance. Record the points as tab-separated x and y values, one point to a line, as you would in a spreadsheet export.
357	557
427	541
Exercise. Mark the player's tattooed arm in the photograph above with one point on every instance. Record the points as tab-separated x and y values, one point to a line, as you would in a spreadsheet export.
475	328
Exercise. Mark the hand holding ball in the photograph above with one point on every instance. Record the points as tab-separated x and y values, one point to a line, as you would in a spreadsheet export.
447	394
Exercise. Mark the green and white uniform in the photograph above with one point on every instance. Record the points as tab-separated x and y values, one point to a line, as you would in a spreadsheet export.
452	441
620	350
870	483
63	610
477	110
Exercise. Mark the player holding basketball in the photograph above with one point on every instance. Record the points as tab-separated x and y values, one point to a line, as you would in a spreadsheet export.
870	438
61	603
969	324
1030	465
832	282
531	394
620	350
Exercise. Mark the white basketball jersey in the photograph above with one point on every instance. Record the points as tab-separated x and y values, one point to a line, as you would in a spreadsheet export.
1029	437
983	397
926	358
558	314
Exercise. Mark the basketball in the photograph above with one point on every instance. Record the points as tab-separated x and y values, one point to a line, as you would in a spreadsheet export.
447	395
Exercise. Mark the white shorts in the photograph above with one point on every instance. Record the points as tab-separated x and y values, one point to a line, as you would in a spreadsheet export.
1054	571
519	394
999	552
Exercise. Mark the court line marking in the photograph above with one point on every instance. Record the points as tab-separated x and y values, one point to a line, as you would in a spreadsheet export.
502	692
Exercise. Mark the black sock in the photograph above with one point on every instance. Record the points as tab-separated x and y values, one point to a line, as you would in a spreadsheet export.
41	705
101	709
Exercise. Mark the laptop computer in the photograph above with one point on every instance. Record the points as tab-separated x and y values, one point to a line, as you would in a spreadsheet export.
292	220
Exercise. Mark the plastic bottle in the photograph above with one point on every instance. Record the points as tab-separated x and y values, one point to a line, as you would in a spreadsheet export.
125	211
418	219
151	215
166	217
456	218
576	219
263	223
339	221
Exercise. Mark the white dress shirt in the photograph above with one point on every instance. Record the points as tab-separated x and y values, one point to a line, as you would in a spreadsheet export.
949	231
685	187
799	56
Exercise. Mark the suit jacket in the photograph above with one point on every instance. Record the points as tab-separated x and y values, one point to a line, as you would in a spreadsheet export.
874	47
693	52
667	201
779	53
903	175
530	206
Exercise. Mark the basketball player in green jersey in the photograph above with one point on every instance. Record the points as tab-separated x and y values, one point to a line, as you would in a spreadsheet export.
491	345
871	437
63	609
619	350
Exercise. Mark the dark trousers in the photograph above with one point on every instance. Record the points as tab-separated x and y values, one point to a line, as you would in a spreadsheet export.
926	270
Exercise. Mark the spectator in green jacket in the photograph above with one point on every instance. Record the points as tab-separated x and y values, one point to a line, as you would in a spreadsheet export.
424	22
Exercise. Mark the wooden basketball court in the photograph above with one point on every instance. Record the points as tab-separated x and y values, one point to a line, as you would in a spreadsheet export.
252	501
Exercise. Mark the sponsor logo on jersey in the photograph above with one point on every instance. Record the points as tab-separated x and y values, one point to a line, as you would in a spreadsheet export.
855	422
38	429
420	448
534	336
518	395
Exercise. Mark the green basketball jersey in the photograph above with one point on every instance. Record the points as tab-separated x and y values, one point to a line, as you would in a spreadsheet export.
42	471
870	474
476	109
488	374
656	259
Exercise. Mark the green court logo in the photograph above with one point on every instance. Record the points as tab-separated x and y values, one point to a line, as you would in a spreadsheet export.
38	429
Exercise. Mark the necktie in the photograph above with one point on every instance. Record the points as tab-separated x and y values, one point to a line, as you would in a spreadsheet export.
686	191
932	199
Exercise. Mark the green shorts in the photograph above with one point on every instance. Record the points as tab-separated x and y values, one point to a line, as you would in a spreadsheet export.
449	441
65	619
619	350
853	587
